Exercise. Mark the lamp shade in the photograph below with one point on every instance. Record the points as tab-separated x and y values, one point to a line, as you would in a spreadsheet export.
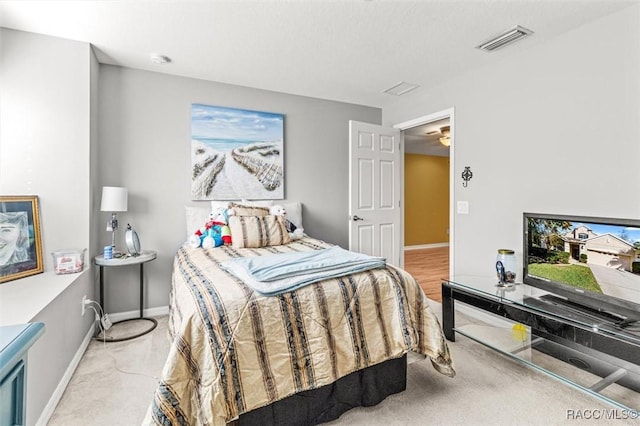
114	199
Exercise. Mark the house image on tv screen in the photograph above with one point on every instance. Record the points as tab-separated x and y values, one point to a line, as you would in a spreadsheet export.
605	250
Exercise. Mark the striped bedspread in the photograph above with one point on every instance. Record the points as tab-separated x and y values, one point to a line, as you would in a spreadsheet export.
234	350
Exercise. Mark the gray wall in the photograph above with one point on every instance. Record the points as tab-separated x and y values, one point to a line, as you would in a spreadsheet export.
44	150
555	128
144	145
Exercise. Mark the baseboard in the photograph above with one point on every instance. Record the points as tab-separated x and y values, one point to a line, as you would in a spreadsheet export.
150	312
49	409
426	246
66	378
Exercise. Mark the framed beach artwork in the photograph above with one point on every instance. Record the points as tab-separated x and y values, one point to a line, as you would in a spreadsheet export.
236	154
20	240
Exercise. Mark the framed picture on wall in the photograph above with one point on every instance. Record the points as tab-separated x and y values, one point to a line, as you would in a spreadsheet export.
236	154
20	239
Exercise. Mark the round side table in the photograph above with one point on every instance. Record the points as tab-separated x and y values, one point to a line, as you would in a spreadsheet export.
144	257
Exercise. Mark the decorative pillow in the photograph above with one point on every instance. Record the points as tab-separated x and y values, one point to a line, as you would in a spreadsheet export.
196	218
258	231
247	210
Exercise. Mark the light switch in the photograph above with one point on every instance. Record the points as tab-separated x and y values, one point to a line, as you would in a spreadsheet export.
463	207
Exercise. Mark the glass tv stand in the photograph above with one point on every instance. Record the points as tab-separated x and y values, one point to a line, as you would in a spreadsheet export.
581	349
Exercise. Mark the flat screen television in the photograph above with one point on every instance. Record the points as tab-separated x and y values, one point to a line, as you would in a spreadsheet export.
590	262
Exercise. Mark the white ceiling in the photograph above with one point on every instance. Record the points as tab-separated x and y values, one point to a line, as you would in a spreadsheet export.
349	50
425	139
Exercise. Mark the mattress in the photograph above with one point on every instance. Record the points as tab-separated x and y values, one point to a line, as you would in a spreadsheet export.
234	350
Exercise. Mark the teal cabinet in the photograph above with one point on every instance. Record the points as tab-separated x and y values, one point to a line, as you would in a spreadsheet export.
15	341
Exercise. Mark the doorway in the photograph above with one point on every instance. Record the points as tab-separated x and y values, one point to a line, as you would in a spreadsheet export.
427	170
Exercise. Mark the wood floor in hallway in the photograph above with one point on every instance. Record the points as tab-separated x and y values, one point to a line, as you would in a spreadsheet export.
429	266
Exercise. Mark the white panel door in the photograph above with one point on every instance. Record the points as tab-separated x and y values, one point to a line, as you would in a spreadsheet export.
374	191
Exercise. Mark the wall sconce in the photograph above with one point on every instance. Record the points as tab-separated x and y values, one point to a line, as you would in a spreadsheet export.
467	174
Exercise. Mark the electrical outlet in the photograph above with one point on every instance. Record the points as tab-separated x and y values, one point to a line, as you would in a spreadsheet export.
84	302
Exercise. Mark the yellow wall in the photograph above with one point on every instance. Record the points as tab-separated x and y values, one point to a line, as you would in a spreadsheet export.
426	195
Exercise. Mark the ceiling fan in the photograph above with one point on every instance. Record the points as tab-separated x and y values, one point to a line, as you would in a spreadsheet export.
445	132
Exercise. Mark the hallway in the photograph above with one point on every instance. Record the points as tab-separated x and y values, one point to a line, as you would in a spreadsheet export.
428	266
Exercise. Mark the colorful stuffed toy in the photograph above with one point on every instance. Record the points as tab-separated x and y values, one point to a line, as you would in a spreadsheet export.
215	232
295	233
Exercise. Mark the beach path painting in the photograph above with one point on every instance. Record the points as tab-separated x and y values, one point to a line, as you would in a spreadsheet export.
236	154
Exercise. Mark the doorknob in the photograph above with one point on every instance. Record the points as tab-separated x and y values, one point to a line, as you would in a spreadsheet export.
356	218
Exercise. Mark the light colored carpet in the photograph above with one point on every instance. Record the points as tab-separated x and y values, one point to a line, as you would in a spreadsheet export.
114	384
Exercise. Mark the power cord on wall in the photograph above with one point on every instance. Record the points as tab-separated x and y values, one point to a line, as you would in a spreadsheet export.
102	318
104	323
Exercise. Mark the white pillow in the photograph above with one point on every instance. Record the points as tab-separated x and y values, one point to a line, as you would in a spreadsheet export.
257	203
225	204
196	217
219	204
294	212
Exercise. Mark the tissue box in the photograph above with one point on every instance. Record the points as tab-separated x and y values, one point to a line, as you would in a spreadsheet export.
68	261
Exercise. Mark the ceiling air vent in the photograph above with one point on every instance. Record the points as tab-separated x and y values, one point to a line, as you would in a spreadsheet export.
514	34
401	88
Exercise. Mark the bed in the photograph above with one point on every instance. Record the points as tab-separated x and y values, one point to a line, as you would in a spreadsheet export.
235	352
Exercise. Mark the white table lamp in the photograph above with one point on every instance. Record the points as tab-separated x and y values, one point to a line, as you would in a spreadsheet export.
114	199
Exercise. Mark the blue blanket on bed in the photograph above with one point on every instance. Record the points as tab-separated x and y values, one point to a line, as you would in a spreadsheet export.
279	273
